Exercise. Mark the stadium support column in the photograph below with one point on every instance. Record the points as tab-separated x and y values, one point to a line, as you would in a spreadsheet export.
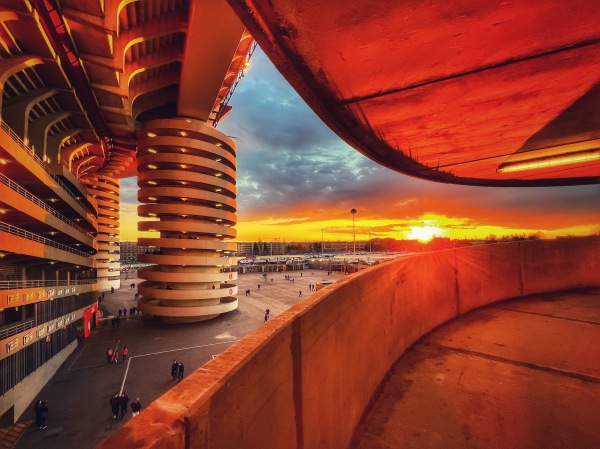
186	176
106	191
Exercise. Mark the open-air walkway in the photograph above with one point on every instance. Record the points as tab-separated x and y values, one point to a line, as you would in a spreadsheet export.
521	374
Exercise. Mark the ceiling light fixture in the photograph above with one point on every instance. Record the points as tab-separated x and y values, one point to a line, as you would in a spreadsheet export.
549	161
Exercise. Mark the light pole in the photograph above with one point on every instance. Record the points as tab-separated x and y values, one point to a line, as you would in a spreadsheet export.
353	212
322	241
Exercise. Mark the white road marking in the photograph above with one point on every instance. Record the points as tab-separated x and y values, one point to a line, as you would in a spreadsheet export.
170	350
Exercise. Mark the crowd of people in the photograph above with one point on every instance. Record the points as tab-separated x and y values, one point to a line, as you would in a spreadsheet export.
118	405
112	355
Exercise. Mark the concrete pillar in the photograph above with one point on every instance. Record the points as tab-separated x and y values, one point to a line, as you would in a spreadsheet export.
106	191
186	176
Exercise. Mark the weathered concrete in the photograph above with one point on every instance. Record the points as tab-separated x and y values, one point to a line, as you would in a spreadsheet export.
305	379
521	374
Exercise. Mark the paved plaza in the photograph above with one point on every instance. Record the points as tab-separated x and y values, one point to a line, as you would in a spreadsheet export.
78	395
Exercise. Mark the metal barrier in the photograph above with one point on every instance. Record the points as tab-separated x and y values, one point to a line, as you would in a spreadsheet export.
13	230
16	284
15	329
38	161
23	192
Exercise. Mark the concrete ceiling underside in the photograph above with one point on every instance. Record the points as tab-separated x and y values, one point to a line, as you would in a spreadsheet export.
473	92
80	77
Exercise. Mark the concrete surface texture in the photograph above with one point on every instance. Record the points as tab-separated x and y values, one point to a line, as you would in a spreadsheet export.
521	375
304	379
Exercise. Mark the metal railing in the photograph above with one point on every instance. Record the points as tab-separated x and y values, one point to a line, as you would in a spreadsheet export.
15	329
37	238
13	285
38	161
23	192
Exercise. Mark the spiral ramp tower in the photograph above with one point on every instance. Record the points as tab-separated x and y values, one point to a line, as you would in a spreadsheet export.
186	177
106	191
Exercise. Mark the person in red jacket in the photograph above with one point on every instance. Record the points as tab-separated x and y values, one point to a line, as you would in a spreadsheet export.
124	353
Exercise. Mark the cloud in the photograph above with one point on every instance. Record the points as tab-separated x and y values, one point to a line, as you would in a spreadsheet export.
295	172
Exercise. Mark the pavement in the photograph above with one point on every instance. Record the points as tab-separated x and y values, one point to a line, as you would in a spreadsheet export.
521	374
78	394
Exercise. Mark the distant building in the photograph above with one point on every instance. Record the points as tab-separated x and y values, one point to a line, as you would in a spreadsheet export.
273	248
244	248
130	250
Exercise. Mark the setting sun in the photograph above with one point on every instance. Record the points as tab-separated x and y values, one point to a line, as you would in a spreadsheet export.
424	233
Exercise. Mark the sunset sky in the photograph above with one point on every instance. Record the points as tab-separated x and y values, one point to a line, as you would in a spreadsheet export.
298	181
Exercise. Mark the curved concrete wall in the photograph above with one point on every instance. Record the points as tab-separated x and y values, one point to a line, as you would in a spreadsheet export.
304	379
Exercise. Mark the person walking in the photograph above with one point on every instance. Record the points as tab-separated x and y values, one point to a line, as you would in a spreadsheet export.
267	312
109	355
123	403
136	407
124	353
38	419
299	293
115	404
174	369
43	414
180	371
124	312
